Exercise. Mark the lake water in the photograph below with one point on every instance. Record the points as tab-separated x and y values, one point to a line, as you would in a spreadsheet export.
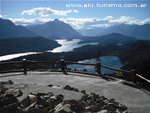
110	61
67	45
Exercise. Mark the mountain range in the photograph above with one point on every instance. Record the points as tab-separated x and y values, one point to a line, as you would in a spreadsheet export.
54	28
113	38
138	31
91	32
57	29
8	30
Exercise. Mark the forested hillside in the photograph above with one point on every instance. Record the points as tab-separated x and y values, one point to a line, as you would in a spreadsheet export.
24	44
137	56
113	38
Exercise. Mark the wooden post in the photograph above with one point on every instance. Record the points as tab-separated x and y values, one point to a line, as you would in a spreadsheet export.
62	64
133	73
24	67
98	66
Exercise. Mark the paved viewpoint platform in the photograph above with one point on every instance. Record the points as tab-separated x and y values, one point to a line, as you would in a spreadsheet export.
136	99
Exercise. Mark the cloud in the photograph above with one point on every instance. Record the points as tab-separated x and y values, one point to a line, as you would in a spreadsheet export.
108	17
45	11
147	21
84	23
76	11
24	22
2	16
89	23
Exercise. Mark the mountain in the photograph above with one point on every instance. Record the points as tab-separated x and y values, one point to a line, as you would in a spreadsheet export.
91	32
8	30
54	28
138	31
141	32
113	38
26	44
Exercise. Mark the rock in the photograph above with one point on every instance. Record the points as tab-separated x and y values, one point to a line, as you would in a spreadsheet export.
3	89
7	82
67	87
50	85
46	97
83	91
32	99
9	99
4	101
126	111
121	108
60	96
78	107
37	110
41	94
96	108
63	108
11	108
42	101
18	92
112	100
15	92
76	90
55	100
108	108
84	98
25	101
103	111
20	110
30	106
102	98
71	88
10	82
50	94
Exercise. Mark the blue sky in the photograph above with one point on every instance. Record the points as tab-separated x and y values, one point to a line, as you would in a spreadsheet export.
81	14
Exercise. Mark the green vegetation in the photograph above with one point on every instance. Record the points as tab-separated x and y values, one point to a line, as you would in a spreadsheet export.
26	44
137	56
113	38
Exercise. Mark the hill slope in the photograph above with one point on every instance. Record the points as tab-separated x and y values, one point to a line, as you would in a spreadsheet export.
9	30
24	44
137	56
113	38
138	31
54	28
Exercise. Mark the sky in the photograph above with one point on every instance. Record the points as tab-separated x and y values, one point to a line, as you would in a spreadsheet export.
85	14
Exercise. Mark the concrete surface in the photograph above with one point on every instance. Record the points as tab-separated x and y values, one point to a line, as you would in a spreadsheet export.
123	92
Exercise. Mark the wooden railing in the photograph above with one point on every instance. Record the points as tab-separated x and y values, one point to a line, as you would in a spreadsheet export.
63	66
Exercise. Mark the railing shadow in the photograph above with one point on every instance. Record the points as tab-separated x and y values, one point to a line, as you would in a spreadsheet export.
130	84
10	74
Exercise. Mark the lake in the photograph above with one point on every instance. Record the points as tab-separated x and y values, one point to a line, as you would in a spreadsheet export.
69	45
66	45
110	61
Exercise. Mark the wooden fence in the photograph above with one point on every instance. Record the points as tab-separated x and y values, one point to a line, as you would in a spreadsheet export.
63	65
